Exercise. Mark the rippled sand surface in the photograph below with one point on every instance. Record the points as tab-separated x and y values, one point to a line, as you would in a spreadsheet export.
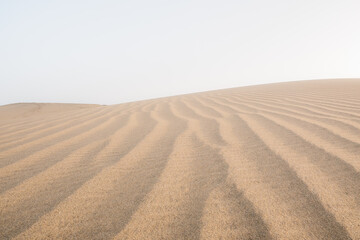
276	161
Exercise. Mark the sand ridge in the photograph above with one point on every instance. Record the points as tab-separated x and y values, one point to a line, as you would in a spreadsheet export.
275	161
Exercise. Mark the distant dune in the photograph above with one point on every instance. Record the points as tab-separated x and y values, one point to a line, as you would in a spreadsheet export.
275	161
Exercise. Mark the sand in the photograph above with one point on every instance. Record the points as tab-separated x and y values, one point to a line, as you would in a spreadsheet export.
276	161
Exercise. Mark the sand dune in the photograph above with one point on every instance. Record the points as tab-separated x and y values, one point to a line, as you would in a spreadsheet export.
277	161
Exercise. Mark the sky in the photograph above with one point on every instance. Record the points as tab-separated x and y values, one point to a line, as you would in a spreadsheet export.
109	52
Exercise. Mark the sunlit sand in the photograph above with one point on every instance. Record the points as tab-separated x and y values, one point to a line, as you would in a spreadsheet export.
275	161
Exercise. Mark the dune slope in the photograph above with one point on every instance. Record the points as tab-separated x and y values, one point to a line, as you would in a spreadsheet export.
277	161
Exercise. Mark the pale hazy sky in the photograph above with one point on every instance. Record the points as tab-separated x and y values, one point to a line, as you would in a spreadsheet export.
116	51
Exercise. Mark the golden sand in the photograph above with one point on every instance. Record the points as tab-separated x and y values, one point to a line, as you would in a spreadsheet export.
276	161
